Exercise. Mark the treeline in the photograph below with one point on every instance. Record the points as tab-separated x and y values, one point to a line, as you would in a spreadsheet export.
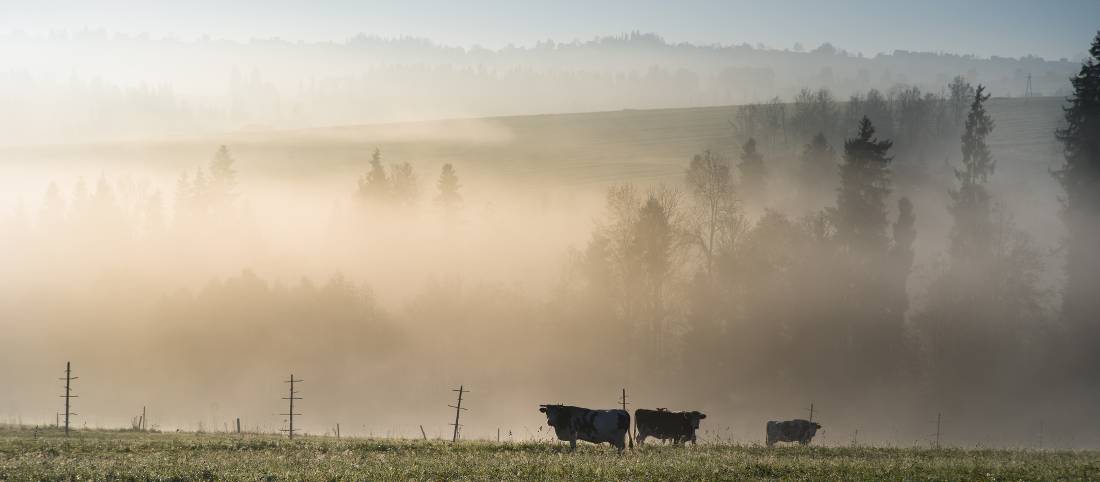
924	123
281	84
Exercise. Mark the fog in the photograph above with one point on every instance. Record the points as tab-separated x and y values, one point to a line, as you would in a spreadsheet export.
94	85
189	259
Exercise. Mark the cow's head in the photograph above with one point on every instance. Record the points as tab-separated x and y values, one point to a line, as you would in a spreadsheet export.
814	427
554	414
694	417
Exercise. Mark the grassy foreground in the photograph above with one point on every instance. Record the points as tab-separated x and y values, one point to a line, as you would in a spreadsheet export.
102	455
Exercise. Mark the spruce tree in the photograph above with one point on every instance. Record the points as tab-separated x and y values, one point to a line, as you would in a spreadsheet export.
374	187
1080	177
970	236
860	214
960	94
448	186
222	187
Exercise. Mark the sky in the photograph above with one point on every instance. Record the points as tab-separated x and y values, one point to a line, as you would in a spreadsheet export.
1052	29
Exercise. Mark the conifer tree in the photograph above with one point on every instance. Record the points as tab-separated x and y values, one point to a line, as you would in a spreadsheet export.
1080	178
973	228
222	188
448	186
374	187
860	213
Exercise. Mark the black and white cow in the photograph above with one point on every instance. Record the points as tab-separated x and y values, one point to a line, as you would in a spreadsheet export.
680	427
801	431
596	426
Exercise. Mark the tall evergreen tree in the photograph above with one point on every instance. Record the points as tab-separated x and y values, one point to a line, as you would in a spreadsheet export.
860	213
753	172
374	187
448	186
1080	177
222	187
981	307
973	228
960	94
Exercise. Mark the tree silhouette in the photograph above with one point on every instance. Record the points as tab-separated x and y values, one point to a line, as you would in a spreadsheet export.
222	187
403	186
818	160
374	187
753	172
448	186
860	214
983	307
1080	178
714	210
961	93
972	231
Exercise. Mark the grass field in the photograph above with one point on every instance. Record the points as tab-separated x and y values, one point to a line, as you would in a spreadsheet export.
105	455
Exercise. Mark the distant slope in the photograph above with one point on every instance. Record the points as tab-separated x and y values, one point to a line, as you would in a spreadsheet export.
565	149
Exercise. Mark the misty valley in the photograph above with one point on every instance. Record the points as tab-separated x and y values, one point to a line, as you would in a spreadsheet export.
744	264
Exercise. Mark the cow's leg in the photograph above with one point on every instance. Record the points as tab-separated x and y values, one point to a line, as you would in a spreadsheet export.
619	443
573	444
641	438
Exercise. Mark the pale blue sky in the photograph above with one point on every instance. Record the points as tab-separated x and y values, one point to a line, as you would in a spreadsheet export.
1052	28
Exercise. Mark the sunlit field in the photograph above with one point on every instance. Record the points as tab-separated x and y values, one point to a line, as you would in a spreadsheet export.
27	453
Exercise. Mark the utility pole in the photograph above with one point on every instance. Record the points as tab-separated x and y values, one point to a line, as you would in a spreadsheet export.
811	411
1028	93
939	417
68	394
290	431
1040	435
142	418
458	411
629	434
